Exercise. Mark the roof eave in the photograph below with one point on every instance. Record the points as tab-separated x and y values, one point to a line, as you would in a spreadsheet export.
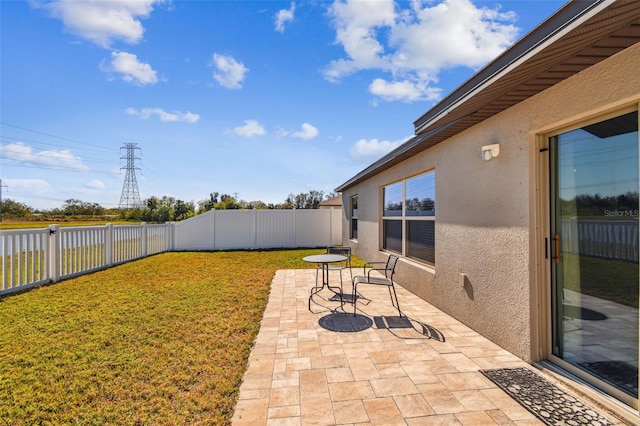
564	20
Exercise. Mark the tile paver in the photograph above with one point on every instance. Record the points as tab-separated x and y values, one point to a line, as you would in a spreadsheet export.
302	374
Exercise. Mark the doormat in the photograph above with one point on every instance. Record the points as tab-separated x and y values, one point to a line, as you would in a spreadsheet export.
618	373
345	323
550	404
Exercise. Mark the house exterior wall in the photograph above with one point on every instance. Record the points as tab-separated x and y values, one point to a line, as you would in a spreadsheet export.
485	220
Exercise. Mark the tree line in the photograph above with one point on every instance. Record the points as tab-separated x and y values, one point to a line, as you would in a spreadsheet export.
156	209
595	205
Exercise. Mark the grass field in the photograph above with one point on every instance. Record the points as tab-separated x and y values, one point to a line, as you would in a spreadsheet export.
606	279
159	341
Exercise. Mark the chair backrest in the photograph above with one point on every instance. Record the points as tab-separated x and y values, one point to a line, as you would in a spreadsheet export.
390	268
341	250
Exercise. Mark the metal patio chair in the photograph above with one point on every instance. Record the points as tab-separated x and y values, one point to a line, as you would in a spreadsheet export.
386	280
343	251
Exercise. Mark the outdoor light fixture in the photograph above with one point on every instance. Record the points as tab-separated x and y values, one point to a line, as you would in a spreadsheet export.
490	151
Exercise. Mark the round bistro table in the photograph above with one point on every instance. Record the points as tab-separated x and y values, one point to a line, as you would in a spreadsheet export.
324	260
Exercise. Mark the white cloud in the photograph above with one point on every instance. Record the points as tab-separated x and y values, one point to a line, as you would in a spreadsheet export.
307	131
406	90
132	70
283	16
452	33
102	22
95	184
372	149
228	72
36	186
164	116
63	160
415	44
250	128
356	24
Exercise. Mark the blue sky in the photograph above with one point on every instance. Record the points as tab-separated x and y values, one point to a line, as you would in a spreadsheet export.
257	99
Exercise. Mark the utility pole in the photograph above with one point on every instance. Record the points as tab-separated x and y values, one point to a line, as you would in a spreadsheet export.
130	197
1	186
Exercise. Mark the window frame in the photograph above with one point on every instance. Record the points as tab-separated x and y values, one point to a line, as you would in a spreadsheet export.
353	217
402	216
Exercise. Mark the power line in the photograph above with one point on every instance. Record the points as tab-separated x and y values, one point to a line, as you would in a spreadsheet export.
34	157
57	168
36	160
49	134
13	139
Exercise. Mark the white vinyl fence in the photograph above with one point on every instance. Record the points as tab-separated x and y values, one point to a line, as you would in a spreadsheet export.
260	229
32	257
607	239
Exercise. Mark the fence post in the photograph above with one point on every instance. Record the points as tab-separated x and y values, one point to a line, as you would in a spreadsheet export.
331	226
169	245
55	253
295	228
213	217
143	238
255	227
5	256
108	244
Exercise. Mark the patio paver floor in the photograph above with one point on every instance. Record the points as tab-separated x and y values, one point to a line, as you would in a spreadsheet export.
302	374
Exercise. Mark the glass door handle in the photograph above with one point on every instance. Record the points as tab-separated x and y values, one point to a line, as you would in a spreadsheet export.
556	256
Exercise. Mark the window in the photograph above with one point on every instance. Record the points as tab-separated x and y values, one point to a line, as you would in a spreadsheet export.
354	218
408	217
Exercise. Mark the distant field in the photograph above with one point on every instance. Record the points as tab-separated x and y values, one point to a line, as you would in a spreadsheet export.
10	224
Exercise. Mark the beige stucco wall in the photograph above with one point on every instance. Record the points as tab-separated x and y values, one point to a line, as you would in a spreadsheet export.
485	227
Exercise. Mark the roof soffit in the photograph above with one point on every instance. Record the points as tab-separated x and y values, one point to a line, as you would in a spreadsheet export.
601	36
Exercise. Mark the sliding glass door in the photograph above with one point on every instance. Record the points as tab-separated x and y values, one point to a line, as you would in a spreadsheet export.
594	252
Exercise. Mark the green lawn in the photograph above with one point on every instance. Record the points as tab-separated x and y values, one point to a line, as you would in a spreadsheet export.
607	279
159	341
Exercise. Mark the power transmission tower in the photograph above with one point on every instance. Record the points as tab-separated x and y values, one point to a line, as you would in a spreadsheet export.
130	197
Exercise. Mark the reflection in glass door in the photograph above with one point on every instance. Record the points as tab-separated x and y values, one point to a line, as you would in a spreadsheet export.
594	252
